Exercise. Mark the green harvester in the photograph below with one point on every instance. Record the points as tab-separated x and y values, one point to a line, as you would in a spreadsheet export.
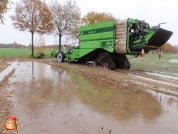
107	44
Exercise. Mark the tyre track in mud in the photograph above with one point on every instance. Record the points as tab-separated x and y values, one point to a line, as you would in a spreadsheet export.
118	78
5	103
98	77
6	78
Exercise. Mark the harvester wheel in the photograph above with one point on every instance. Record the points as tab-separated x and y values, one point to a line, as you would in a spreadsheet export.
60	56
121	61
104	59
126	64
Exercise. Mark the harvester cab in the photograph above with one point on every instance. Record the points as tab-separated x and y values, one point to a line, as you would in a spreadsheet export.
108	43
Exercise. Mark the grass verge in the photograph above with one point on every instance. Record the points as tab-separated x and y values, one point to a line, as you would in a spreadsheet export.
151	62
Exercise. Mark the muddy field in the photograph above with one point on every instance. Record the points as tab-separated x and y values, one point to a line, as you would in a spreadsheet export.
51	98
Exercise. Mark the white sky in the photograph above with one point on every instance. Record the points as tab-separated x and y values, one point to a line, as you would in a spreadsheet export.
152	11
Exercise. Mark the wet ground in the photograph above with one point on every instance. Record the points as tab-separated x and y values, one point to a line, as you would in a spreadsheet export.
51	98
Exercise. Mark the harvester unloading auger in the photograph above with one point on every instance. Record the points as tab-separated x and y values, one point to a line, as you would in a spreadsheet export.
108	43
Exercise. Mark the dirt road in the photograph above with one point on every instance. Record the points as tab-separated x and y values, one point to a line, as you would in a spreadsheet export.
50	98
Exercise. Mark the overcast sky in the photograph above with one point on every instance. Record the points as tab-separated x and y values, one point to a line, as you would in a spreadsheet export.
152	11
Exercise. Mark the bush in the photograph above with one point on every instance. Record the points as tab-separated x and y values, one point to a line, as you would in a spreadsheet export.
40	55
53	53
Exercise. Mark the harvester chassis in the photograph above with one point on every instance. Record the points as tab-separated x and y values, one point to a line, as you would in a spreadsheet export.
106	44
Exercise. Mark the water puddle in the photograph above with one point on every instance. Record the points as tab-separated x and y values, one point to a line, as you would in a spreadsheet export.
150	79
173	60
50	100
163	76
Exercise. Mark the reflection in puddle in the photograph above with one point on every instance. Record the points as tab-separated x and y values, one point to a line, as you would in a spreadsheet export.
122	105
51	100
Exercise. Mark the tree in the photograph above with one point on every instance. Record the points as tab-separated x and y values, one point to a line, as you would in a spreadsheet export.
4	6
33	16
94	18
166	47
65	17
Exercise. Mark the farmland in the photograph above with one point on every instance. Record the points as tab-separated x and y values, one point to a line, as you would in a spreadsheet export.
20	52
87	99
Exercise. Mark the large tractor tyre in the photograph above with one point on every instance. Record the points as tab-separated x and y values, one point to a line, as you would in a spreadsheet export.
105	60
119	64
121	61
60	56
126	64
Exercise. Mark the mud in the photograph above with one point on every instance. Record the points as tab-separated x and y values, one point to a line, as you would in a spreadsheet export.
49	97
3	64
5	102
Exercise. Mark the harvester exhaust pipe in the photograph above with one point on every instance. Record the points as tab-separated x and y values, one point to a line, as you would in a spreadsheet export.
161	23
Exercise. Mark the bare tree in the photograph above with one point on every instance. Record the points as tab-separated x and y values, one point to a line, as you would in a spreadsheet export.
65	18
4	6
33	16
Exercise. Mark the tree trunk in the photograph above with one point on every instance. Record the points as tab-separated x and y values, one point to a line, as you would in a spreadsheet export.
60	41
32	45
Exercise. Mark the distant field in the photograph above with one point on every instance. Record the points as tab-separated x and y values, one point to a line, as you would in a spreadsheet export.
151	62
19	52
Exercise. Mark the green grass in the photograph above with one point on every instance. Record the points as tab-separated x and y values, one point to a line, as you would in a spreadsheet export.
20	52
151	62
